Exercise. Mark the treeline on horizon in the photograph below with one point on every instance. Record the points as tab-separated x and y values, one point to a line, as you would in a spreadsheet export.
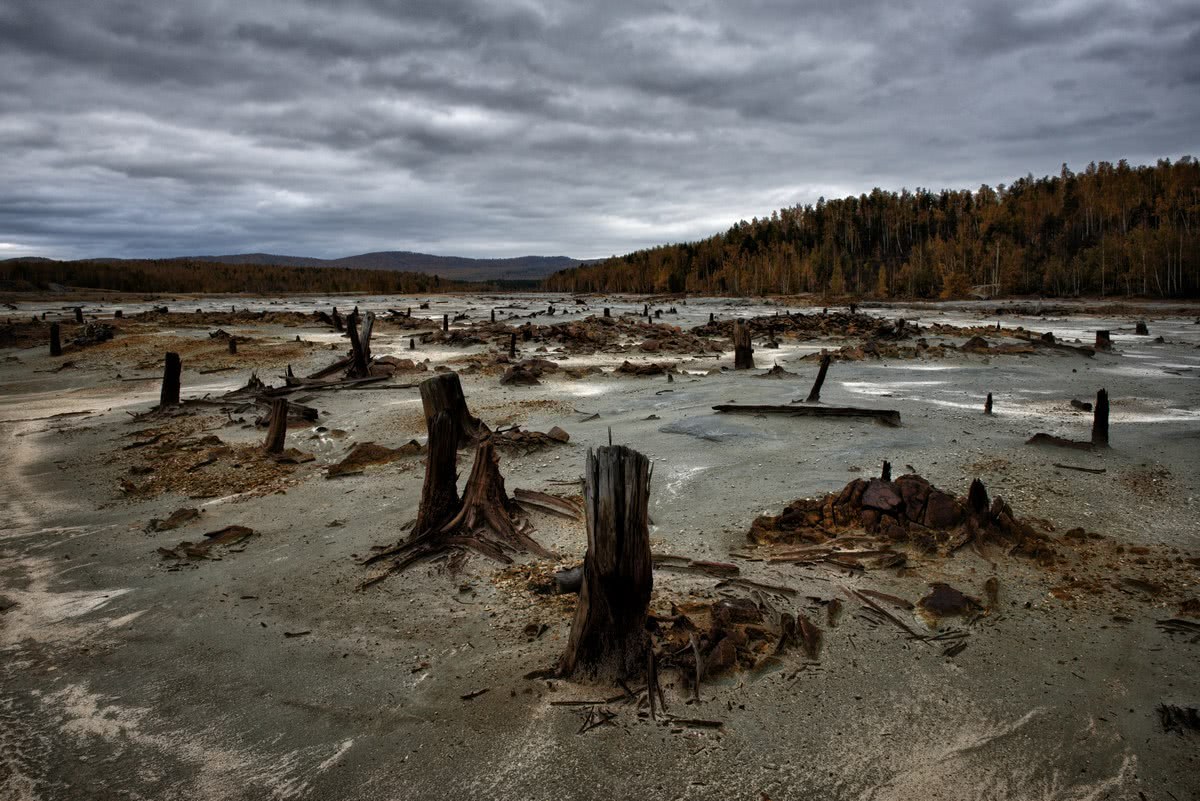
1108	230
205	277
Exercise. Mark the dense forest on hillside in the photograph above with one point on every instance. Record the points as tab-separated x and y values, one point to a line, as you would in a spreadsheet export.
185	275
1108	230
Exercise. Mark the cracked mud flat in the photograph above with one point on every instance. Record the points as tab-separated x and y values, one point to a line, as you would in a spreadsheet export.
123	678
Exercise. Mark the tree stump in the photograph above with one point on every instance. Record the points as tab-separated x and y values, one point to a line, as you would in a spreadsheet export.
815	394
512	345
485	521
55	340
445	323
1141	330
172	369
608	635
443	393
987	404
743	351
493	315
439	494
1100	420
360	346
277	432
607	313
338	325
79	315
1103	341
232	346
886	473
117	315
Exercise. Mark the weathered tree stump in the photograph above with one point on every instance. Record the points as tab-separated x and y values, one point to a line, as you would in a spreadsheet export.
493	315
439	494
338	325
443	393
987	404
360	344
277	432
743	351
815	394
1103	341
1100	420
445	322
172	370
607	313
711	317
117	315
55	340
526	332
412	343
512	345
483	521
886	473
608	635
232	346
79	315
1141	329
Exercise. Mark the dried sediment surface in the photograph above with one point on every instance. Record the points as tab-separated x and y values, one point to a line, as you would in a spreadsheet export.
262	673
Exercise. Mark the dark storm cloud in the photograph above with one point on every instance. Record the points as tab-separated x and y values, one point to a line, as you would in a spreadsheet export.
484	128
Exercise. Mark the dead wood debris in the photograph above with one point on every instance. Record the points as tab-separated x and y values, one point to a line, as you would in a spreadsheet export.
186	553
366	454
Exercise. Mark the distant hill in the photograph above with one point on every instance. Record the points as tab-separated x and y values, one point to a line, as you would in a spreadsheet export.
454	268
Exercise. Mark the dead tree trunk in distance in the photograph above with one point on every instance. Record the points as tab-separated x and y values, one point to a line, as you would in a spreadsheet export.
358	367
743	351
815	394
277	432
1103	341
1100	420
79	314
232	346
443	393
987	405
608	635
172	369
55	340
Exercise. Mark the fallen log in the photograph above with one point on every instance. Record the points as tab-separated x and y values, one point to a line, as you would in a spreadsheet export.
889	417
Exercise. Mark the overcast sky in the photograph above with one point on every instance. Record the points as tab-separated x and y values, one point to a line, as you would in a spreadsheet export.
581	128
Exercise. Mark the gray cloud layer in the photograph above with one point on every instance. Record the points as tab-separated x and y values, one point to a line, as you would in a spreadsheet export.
471	127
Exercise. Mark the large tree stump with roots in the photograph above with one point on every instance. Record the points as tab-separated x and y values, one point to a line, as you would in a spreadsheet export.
443	393
815	394
743	351
608	635
172	369
486	521
277	432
